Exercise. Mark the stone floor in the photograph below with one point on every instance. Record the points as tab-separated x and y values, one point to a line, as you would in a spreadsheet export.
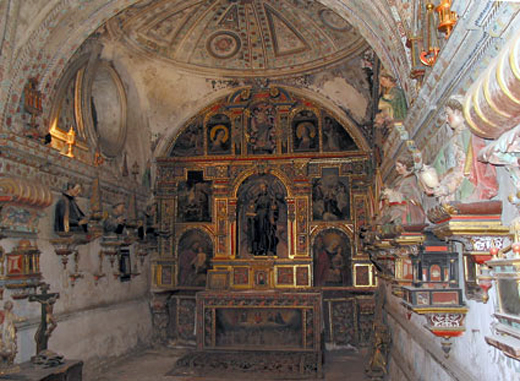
153	364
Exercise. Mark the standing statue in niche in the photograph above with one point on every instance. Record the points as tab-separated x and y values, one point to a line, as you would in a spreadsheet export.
262	133
456	174
68	216
262	217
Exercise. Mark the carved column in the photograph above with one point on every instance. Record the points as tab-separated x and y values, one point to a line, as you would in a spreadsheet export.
492	105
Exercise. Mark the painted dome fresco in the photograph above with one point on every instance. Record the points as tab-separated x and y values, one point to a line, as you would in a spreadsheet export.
239	37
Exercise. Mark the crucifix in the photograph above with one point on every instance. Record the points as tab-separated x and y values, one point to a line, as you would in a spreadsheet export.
48	322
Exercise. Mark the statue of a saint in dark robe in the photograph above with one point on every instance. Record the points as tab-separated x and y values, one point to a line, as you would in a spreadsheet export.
68	216
262	219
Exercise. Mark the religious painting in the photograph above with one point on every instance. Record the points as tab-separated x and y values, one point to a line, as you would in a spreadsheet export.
261	132
335	137
194	199
195	251
190	141
241	276
305	132
285	276
219	135
331	197
262	278
302	276
268	328
262	217
332	259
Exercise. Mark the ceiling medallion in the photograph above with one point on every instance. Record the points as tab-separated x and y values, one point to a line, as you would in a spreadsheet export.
223	44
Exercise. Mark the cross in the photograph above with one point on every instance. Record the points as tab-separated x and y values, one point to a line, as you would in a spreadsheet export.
48	323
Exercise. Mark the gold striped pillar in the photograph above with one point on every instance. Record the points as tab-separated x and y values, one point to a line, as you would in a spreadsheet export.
492	104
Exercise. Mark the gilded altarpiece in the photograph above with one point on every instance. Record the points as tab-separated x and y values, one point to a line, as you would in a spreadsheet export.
263	191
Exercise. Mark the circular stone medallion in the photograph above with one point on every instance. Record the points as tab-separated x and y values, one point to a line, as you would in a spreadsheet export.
223	44
333	20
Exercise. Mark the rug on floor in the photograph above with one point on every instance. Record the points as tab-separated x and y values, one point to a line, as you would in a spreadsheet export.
263	365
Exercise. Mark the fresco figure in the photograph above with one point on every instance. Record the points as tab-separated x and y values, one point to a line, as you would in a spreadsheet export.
262	220
306	137
190	142
219	140
458	174
335	137
68	216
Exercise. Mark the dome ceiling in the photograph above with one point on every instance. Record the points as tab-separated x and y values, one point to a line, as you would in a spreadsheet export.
239	38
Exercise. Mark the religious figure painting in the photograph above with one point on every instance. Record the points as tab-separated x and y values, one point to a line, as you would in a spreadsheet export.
261	132
335	137
194	199
305	132
190	142
195	251
262	217
332	259
265	327
331	197
219	135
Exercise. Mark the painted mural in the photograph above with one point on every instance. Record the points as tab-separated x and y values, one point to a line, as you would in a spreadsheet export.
218	132
331	197
261	36
332	258
194	200
305	128
195	251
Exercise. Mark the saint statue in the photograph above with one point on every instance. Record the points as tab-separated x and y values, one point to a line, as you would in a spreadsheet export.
458	174
404	200
8	344
116	221
68	216
392	101
262	218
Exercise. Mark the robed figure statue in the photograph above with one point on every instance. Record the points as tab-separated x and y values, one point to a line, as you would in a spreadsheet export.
262	218
68	217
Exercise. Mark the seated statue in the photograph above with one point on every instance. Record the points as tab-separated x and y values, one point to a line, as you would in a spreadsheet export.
456	174
403	202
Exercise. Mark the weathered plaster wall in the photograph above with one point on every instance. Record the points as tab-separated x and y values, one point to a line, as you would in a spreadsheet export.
96	320
416	353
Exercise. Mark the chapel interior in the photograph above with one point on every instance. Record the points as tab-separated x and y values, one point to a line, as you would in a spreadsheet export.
248	188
